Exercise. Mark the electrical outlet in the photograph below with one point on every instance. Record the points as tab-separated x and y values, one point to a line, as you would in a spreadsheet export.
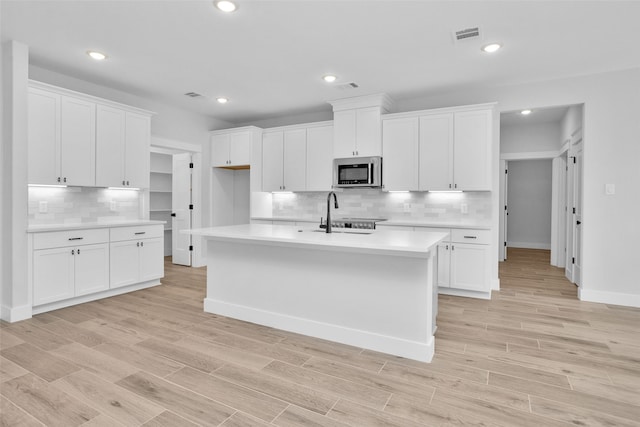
609	189
407	207
43	207
113	206
464	208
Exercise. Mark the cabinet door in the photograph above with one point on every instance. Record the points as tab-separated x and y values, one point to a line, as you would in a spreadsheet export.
295	160
344	133
444	264
368	132
240	149
151	259
469	267
472	150
436	152
220	150
91	269
272	161
124	263
400	153
43	140
137	141
52	275
78	142
320	158
110	138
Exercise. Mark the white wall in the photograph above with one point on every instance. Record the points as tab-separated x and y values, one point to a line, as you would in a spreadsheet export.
611	153
529	201
525	138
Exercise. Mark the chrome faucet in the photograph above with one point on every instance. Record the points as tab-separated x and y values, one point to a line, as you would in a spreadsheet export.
335	198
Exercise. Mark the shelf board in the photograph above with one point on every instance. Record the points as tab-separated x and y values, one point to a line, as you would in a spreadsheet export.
161	191
160	210
168	229
163	172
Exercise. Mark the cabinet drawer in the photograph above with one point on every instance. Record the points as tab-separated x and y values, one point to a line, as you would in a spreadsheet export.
60	239
119	234
464	235
434	230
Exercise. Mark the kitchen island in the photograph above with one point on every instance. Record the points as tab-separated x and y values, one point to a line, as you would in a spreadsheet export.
375	290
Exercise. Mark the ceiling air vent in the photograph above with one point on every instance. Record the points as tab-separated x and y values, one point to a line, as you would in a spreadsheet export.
192	94
466	34
347	86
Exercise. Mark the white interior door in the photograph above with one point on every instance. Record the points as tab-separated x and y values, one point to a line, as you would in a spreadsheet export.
505	211
181	214
577	217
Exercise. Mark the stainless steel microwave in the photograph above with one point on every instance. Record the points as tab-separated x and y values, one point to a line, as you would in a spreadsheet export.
357	172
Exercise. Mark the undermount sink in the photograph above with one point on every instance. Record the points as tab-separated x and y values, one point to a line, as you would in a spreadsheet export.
340	231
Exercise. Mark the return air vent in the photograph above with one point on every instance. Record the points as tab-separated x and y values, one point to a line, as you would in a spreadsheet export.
347	86
466	34
193	95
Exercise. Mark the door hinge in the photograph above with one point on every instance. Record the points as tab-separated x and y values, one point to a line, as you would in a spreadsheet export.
573	260
574	160
506	171
191	207
505	207
190	247
505	244
574	210
190	165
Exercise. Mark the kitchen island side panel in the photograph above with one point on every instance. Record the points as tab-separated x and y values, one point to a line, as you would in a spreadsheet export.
379	302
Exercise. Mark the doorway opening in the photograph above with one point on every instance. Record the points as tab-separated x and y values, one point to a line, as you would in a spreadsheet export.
541	185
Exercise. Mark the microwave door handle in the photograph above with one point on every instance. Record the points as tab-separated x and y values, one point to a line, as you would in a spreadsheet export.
370	173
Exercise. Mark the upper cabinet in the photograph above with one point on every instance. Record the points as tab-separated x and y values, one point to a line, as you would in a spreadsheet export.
357	125
232	148
297	158
61	139
452	148
122	147
79	140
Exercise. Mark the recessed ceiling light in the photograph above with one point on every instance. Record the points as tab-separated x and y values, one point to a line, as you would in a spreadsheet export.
525	112
222	100
329	78
492	47
226	6
98	56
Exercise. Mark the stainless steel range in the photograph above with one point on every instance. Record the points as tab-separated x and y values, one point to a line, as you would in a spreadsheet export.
353	223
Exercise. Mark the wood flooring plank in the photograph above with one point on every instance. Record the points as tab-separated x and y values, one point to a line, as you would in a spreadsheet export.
294	416
12	416
122	405
365	395
141	358
355	414
46	403
220	390
75	333
613	392
577	415
7	339
102	421
185	403
151	329
169	419
10	370
113	332
37	336
243	420
225	353
296	394
104	366
173	351
43	364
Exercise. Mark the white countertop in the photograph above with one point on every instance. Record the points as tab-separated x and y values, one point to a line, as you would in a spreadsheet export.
399	222
381	242
40	228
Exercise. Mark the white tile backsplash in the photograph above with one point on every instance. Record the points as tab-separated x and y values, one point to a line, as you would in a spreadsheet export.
83	205
373	203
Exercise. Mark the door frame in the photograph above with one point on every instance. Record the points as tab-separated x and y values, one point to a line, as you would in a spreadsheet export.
174	147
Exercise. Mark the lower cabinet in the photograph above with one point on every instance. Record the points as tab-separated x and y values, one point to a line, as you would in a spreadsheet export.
69	264
464	265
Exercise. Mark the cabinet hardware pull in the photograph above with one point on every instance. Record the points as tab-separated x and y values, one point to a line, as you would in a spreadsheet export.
138	244
73	252
455	185
141	243
452	247
123	182
140	232
76	238
58	179
127	182
65	179
470	237
449	185
78	251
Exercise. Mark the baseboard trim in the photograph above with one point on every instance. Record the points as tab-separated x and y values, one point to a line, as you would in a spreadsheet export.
415	350
495	284
463	293
615	298
16	314
529	245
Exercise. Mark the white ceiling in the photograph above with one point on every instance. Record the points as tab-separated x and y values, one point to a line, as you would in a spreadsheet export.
268	57
542	115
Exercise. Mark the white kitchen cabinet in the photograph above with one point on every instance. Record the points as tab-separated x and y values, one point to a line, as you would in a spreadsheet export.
357	133
319	162
436	152
61	139
400	154
137	142
136	255
284	160
444	264
472	150
64	267
469	267
231	149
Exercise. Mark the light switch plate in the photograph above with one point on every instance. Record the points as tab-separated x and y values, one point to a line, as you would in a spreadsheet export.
609	189
113	206
464	208
43	207
407	207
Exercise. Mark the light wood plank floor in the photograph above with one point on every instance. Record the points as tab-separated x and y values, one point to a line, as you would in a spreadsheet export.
531	356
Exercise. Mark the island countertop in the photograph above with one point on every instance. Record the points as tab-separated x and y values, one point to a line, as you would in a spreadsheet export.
395	242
